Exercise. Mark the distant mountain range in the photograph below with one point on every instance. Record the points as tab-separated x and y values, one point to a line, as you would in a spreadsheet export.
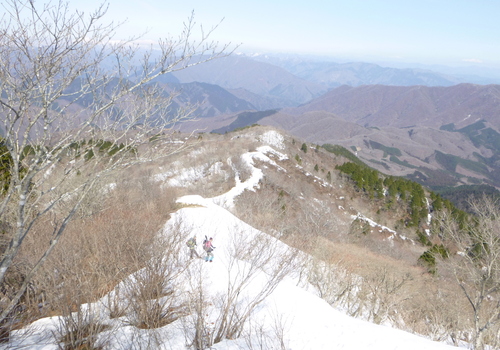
407	122
269	82
408	106
439	136
275	86
356	73
272	83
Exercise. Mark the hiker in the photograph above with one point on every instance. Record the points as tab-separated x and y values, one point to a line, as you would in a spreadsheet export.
191	243
208	247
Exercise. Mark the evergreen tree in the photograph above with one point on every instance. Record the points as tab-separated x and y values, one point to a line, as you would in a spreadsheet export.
5	166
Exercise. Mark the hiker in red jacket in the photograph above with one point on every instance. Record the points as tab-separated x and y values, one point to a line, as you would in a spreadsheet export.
209	248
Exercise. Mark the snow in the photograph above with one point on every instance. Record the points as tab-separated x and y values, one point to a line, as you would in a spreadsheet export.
292	309
226	200
372	223
273	138
381	228
187	176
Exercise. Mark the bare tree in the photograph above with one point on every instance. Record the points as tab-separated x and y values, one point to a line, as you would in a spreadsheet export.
476	266
76	103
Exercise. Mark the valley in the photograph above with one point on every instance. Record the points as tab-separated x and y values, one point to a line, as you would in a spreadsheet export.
441	136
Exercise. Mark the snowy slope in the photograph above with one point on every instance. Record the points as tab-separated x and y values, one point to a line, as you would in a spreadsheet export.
292	317
309	322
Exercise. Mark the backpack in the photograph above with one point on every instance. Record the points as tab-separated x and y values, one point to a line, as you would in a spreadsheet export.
191	243
207	245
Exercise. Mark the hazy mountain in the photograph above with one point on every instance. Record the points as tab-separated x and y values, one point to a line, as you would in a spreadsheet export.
475	73
316	126
392	72
261	103
269	81
212	100
356	74
209	100
398	106
439	136
335	74
244	119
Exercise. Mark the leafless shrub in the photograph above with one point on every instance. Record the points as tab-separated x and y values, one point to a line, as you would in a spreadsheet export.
272	337
242	169
114	303
153	294
94	255
268	210
249	256
381	297
198	328
437	313
204	171
115	242
476	265
335	284
81	329
259	337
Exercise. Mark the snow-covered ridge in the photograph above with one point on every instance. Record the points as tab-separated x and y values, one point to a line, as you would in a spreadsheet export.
186	176
226	200
293	309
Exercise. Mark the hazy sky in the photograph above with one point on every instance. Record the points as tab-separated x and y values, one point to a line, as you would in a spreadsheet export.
421	31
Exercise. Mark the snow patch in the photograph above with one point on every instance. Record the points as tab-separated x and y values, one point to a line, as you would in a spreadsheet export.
188	176
226	200
273	138
372	223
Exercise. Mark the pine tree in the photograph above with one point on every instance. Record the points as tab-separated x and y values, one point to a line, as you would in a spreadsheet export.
5	166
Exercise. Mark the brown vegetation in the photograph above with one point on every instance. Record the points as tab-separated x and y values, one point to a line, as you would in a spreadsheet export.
364	270
355	268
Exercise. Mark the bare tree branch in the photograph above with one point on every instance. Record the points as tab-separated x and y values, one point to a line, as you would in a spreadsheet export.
74	98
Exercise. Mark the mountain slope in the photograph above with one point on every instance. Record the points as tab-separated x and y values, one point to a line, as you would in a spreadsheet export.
292	315
357	74
399	106
445	136
210	100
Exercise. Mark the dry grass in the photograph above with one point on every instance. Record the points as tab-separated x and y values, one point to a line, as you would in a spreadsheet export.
98	249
